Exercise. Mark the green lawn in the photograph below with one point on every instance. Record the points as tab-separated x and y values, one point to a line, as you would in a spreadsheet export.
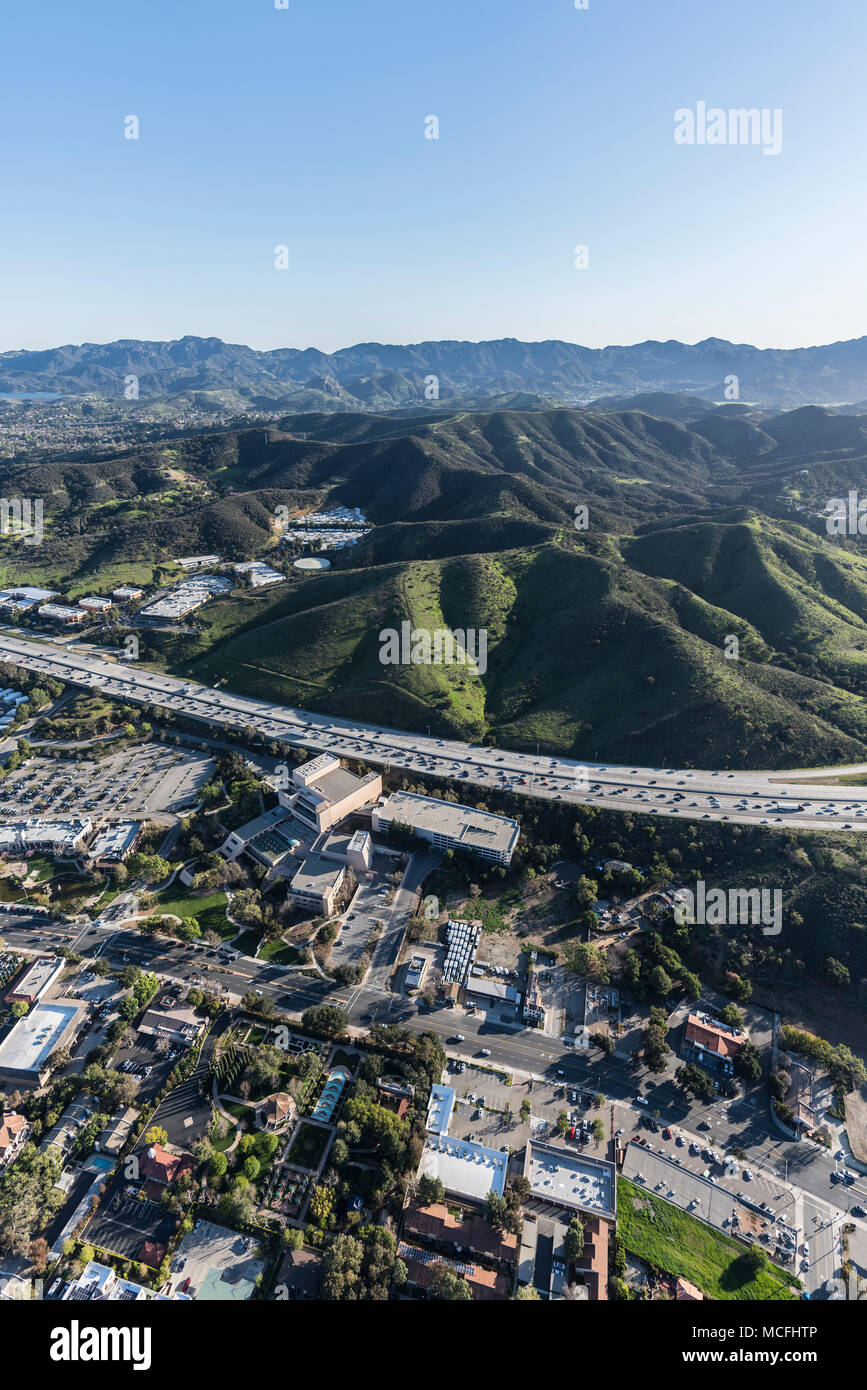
208	910
222	1144
679	1244
244	1113
279	952
309	1144
248	941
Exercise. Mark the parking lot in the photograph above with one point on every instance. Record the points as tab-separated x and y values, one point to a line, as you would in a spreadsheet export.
148	778
369	906
145	1064
767	1213
489	1111
124	1224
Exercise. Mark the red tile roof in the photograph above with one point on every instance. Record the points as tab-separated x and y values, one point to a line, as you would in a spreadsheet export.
486	1284
161	1166
685	1292
712	1039
11	1126
437	1223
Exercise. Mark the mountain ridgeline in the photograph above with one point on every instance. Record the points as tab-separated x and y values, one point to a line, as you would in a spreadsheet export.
381	376
612	642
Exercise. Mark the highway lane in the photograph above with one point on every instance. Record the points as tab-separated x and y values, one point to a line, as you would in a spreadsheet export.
772	799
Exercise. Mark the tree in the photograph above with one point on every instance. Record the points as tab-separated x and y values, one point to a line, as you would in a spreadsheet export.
598	1101
322	1205
837	972
429	1190
748	1062
252	1168
149	867
448	1287
38	1252
655	1035
325	1020
598	1132
156	1135
527	1294
603	1042
562	1123
495	1209
573	1241
660	982
217	1165
755	1259
693	1080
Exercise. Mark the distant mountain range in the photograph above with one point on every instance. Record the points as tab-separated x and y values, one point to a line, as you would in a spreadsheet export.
503	372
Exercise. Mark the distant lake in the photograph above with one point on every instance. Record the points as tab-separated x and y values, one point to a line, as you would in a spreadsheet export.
31	395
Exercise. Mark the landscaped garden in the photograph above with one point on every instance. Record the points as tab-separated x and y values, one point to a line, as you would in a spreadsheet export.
309	1144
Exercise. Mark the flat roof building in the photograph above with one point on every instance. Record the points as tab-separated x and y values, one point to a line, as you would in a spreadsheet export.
439	1108
94	604
60	613
187	597
269	838
33	980
448	825
324	793
317	883
465	1169
259	574
570	1179
493	990
127	592
25	1052
178	1024
114	843
20	599
415	973
64	839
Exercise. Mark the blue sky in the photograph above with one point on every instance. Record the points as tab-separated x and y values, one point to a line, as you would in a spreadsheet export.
305	127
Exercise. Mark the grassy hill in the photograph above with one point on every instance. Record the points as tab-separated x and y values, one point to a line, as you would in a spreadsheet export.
606	643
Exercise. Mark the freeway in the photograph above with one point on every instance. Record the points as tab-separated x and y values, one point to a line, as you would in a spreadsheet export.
773	799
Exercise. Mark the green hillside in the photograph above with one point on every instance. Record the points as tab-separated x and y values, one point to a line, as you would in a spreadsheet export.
606	643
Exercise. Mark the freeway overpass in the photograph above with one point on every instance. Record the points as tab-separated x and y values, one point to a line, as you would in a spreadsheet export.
777	800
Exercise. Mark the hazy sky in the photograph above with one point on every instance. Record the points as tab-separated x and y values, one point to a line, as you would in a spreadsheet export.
306	127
